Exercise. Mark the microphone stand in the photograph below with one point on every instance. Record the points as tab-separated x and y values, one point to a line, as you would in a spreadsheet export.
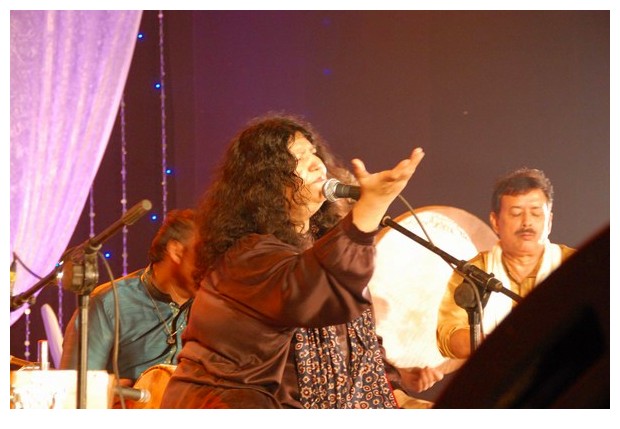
469	296
473	294
81	261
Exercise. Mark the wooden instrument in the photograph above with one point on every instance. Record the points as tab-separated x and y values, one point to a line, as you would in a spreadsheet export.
155	379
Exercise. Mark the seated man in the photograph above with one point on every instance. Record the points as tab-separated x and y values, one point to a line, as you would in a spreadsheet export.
523	257
153	303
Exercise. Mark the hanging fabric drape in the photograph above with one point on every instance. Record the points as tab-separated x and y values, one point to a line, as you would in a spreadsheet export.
68	72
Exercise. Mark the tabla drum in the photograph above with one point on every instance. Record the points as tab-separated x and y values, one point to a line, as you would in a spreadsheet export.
155	379
410	280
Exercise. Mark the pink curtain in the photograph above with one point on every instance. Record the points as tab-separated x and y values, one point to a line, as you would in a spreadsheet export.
68	72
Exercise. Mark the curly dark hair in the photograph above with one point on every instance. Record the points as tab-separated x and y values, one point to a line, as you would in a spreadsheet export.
248	193
519	182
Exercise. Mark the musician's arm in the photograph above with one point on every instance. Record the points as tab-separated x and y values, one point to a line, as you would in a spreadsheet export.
410	380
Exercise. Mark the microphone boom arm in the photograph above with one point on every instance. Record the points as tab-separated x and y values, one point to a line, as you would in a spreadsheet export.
484	280
90	246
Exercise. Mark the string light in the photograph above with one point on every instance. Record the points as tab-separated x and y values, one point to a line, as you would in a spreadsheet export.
123	182
91	213
166	171
162	98
60	297
27	339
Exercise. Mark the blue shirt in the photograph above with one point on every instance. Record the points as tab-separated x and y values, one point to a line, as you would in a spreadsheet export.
150	327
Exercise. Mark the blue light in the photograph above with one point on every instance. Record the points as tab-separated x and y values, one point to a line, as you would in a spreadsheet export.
154	217
157	85
140	35
327	72
107	255
168	170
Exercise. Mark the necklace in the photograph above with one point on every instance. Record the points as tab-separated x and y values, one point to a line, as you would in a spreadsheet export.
171	338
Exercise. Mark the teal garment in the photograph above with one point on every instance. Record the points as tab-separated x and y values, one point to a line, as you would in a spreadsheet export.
144	333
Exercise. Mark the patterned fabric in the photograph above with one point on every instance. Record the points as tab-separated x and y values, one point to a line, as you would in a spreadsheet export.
332	377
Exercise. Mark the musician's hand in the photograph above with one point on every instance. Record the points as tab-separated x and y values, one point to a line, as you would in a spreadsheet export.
378	190
417	379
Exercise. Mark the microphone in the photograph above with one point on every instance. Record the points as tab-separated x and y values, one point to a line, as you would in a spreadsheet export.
129	218
137	395
485	280
333	189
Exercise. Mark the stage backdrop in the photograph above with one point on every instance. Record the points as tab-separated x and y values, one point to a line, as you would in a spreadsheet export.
483	92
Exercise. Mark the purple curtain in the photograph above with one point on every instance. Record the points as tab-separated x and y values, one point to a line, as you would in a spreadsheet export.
68	72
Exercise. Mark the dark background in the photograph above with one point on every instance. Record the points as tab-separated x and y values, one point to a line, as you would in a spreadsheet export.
483	92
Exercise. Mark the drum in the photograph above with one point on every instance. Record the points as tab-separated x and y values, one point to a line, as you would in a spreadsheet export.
155	379
410	280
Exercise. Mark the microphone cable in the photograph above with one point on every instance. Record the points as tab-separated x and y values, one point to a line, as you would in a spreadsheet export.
465	278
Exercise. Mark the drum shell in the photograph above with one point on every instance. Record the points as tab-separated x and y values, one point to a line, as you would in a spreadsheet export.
154	380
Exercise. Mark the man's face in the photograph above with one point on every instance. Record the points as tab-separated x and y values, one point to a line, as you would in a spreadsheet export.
523	223
188	261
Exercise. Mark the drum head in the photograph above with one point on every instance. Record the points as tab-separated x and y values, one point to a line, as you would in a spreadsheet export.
409	280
